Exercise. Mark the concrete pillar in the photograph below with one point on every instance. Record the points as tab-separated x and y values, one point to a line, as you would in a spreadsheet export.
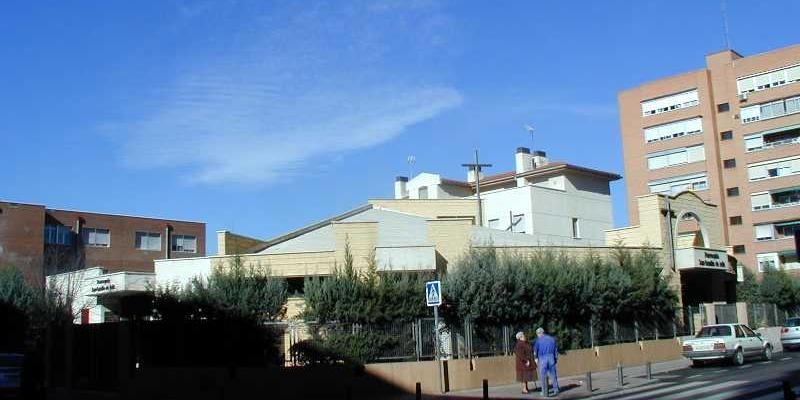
741	313
400	187
711	313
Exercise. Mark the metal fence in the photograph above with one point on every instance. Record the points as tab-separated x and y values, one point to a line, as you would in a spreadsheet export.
760	315
419	340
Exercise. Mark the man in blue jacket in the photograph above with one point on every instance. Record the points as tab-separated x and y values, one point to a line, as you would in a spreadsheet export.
545	353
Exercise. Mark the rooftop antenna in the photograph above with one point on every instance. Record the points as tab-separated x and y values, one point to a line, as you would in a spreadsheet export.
725	24
529	128
411	160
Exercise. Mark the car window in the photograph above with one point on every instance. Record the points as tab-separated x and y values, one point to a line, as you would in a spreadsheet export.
793	322
748	331
739	331
713	331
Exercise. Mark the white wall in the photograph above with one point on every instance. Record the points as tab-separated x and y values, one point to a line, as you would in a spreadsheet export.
179	272
549	204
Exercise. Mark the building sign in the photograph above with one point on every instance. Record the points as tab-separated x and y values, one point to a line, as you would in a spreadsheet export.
103	285
711	260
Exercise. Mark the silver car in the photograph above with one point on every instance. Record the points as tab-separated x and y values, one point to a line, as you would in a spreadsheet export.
790	334
732	342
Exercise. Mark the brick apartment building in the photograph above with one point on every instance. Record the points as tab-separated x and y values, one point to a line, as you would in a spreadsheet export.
43	241
730	132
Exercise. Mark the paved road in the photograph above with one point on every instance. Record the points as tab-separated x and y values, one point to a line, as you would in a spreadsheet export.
754	380
675	381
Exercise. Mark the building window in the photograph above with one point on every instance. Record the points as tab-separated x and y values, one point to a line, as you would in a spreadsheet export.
786	230
148	241
494	223
184	243
673	130
738	249
422	192
766	80
773	138
576	228
764	232
97	237
727	135
724	107
732	192
736	220
679	184
674	157
518	223
767	262
670	103
774	168
769	110
729	163
58	234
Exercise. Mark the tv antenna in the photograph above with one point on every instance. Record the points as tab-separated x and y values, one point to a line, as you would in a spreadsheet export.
411	160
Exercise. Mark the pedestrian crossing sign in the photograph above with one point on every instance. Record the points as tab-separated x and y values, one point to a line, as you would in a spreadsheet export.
433	293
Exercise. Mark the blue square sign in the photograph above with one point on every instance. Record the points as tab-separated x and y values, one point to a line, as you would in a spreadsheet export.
433	293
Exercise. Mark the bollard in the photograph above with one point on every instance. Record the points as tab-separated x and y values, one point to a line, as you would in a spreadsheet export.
649	370
619	375
589	381
485	389
419	391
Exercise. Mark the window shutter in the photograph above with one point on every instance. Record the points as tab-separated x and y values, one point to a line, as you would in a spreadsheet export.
754	142
760	201
764	232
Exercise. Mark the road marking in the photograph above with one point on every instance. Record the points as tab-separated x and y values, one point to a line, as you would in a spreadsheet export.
695	393
786	358
695	376
655	394
745	366
744	391
632	391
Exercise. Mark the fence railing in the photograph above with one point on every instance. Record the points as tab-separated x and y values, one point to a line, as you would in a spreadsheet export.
419	340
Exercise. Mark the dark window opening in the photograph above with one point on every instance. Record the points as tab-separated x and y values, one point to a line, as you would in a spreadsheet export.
738	249
296	286
737	220
724	107
729	163
732	192
727	135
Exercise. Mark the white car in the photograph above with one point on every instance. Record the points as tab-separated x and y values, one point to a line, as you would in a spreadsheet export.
790	334
732	342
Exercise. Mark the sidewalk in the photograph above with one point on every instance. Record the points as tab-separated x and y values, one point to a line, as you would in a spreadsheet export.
574	387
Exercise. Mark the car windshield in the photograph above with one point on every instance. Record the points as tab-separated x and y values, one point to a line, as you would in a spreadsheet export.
713	331
793	322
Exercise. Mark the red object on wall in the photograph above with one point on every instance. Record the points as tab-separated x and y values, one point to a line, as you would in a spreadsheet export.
84	316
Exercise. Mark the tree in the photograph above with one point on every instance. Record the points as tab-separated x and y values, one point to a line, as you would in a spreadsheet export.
234	290
778	288
749	290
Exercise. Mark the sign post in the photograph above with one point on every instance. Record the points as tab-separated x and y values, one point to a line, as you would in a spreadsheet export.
433	298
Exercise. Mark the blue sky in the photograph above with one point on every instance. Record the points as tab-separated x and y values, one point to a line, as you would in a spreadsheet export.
261	117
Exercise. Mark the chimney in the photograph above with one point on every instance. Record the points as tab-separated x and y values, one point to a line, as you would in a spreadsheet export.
400	187
523	160
471	175
539	159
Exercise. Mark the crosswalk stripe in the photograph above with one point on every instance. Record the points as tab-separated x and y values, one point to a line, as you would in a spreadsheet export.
652	394
695	393
633	390
786	358
743	390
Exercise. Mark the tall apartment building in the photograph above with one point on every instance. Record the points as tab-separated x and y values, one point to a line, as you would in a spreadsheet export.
730	132
42	241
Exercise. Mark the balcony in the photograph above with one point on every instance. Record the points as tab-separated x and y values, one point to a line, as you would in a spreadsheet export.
775	199
701	258
772	139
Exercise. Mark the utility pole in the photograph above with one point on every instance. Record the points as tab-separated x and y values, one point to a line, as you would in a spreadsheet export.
477	166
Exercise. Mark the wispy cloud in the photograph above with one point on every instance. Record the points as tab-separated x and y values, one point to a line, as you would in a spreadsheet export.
577	109
296	84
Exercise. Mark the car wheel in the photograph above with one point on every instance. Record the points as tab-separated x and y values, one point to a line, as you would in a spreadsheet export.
738	357
698	363
767	354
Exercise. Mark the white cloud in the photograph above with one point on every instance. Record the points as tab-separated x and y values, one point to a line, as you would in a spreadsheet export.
296	85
